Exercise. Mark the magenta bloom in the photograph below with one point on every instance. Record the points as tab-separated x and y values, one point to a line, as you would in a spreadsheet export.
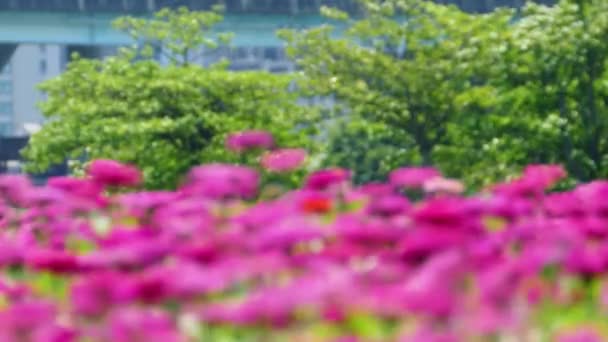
287	234
143	203
130	324
52	260
376	189
442	211
219	181
75	186
95	294
412	177
33	321
547	175
324	179
284	160
592	197
248	140
126	256
388	205
13	188
112	173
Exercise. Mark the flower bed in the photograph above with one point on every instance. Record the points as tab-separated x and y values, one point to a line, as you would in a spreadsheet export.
407	260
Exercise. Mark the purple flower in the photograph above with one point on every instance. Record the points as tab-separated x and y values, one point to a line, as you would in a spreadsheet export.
447	212
388	205
412	177
43	197
52	260
443	185
592	197
428	334
219	181
323	179
587	257
547	175
112	173
131	324
143	203
418	246
286	234
248	140
433	289
14	188
367	231
95	294
28	321
188	280
563	204
376	189
284	160
508	207
81	188
130	255
185	217
11	252
264	214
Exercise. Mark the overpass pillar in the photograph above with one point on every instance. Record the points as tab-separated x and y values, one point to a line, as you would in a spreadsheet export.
6	52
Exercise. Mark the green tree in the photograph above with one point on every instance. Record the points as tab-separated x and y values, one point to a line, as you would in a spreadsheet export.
548	83
165	119
478	95
397	70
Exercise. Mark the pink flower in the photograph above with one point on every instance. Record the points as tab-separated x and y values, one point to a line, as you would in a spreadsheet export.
130	324
95	294
388	205
75	186
32	321
547	175
412	177
13	189
324	179
52	260
443	185
109	172
247	140
284	159
222	181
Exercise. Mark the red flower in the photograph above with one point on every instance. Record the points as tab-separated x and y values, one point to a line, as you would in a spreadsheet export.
316	205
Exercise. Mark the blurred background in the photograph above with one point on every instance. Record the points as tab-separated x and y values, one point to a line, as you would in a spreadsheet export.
38	38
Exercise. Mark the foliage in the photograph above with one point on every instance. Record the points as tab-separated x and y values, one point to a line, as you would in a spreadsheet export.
176	34
479	95
164	119
547	81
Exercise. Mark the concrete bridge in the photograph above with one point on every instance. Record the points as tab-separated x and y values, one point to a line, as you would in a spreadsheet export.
88	22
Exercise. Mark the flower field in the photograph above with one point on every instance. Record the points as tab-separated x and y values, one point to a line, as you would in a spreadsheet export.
223	259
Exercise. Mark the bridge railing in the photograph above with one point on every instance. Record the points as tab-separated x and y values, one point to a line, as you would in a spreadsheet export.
11	160
232	6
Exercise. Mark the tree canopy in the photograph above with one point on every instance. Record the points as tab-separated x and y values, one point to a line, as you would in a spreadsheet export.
163	118
414	83
478	95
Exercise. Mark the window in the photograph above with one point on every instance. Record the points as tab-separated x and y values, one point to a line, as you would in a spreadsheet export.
6	70
43	66
5	129
6	87
272	53
6	108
